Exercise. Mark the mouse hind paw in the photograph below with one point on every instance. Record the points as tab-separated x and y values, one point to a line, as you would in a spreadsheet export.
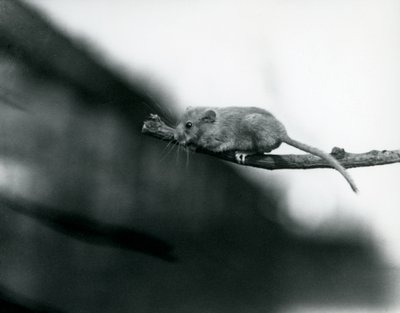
240	157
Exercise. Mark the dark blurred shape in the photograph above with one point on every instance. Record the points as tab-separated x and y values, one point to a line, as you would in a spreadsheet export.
12	303
26	35
85	229
9	97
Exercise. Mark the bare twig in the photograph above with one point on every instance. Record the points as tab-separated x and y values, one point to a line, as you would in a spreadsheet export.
155	127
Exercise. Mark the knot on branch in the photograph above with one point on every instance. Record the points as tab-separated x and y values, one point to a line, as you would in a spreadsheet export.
154	126
154	117
153	122
338	153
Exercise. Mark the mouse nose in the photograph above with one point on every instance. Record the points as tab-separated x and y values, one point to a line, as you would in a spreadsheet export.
181	140
179	137
176	136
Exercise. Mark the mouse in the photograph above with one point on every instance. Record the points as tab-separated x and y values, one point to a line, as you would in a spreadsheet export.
242	130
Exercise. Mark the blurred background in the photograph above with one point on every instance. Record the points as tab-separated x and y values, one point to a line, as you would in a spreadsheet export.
96	217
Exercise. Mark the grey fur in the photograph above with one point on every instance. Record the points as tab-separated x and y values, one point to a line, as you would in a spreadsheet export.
246	129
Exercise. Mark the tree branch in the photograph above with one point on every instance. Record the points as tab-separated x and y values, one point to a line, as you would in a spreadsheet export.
155	127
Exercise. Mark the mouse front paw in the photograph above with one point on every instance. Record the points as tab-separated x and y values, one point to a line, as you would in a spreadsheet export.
240	157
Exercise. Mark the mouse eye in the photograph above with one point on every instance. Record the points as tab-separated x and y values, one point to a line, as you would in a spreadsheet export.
189	125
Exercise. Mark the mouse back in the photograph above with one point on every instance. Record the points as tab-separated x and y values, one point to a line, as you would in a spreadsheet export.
219	129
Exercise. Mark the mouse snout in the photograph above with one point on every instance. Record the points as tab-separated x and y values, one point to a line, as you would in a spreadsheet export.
180	137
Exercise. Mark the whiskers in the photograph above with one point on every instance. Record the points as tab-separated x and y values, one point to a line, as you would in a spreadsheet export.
187	157
167	150
162	110
185	149
179	148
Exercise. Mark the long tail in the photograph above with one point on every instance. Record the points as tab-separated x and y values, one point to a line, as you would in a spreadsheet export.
323	155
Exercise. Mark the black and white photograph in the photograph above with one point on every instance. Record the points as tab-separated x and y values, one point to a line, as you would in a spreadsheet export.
171	156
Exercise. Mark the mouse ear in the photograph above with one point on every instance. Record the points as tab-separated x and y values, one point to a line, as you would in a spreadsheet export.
209	116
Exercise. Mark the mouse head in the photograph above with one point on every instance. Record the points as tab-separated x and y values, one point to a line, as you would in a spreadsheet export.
193	124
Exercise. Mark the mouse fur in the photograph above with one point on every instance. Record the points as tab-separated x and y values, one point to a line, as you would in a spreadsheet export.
249	130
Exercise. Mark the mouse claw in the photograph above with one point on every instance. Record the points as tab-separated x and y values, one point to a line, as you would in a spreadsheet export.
240	157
